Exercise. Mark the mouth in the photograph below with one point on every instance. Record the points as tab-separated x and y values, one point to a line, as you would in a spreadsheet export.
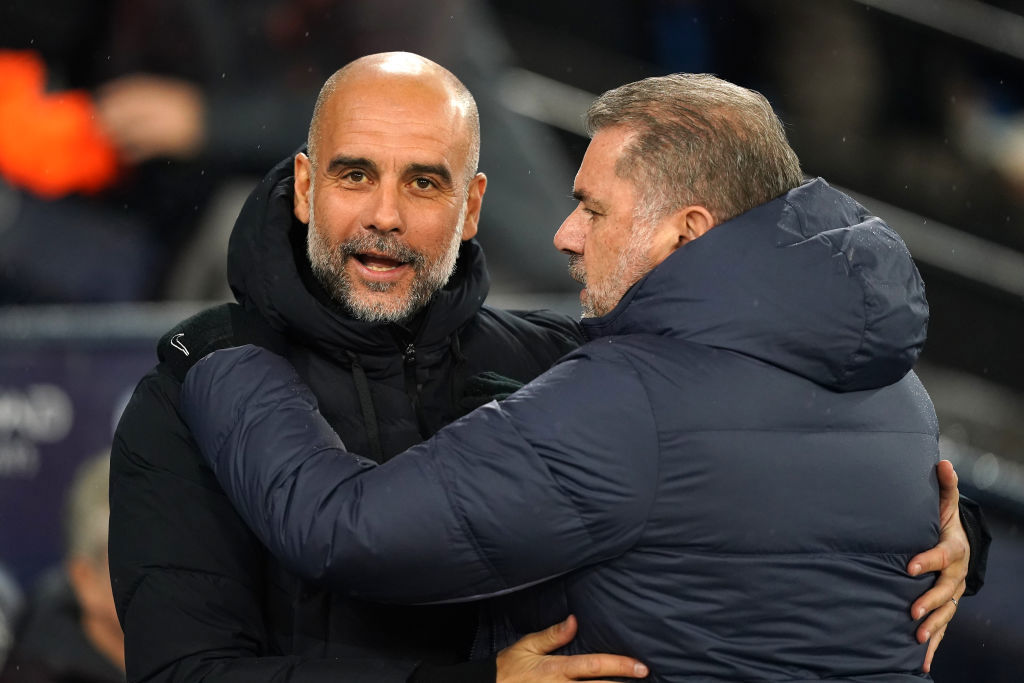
377	268
378	263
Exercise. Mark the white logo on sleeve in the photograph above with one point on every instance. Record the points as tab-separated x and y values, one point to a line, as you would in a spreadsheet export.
176	343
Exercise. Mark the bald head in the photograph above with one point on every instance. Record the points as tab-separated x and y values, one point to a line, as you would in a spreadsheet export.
398	75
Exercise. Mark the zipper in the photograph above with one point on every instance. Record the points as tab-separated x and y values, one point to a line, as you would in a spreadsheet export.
413	388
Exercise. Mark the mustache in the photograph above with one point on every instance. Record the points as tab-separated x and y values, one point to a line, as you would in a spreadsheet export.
576	269
388	247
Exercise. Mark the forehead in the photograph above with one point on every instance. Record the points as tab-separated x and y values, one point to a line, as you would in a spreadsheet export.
597	175
401	119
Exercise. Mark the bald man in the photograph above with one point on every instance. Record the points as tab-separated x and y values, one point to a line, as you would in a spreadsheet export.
354	260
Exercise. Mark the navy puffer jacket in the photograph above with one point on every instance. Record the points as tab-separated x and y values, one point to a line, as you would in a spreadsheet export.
729	478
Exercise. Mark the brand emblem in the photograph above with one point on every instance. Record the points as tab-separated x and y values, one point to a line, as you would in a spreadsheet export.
176	343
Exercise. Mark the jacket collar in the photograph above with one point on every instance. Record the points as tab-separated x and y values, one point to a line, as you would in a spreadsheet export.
268	271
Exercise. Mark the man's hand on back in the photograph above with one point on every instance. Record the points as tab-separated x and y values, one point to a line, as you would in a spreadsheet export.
951	558
528	660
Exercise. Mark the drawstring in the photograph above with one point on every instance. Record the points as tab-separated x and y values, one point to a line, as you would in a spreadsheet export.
460	367
366	403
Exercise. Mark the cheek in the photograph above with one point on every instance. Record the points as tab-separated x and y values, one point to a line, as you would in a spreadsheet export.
600	255
335	219
432	231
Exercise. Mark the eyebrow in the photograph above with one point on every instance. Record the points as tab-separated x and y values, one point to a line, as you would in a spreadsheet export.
584	198
340	162
438	170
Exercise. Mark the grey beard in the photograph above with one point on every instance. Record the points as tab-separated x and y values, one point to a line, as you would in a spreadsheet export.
328	265
577	273
633	263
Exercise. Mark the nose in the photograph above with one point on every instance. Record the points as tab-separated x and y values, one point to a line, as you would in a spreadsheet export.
571	235
383	212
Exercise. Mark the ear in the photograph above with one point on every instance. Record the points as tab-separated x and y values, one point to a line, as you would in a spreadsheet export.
696	220
474	202
685	225
303	178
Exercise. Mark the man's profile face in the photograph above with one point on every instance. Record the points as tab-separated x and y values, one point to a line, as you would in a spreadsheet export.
607	251
388	203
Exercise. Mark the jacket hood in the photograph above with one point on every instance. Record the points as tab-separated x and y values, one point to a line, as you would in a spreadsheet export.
810	282
269	272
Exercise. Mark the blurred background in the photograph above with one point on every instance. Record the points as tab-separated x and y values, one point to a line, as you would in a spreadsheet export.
132	130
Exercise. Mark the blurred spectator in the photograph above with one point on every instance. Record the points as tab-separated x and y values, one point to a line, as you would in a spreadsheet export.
71	633
192	93
10	609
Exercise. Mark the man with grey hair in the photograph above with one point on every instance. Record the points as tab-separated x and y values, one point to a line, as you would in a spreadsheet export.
355	259
72	633
11	601
734	479
687	139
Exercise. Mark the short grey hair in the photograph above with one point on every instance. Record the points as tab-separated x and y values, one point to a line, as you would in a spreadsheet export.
87	511
698	140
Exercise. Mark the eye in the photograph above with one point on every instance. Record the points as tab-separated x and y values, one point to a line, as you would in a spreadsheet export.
423	183
355	176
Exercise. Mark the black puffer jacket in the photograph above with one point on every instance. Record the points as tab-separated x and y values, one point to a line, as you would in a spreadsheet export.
197	594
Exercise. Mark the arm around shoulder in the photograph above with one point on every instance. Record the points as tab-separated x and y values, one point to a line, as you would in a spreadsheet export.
510	495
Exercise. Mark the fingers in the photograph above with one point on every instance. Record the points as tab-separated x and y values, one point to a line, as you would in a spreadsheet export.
596	666
947	478
933	645
938	558
953	544
936	621
950	556
527	660
933	629
949	495
948	585
551	638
